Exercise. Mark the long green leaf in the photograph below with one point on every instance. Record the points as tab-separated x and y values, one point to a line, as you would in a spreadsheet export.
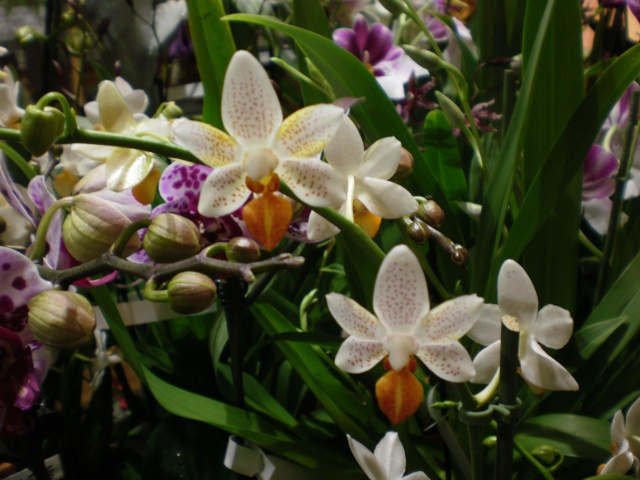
214	46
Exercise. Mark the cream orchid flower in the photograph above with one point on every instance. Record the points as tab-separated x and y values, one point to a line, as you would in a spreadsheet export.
260	144
625	442
405	325
552	326
364	181
387	462
10	113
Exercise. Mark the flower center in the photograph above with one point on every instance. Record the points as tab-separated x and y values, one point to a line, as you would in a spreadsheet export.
400	348
259	162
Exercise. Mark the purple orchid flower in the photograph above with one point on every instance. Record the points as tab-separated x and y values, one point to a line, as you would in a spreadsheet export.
373	46
597	185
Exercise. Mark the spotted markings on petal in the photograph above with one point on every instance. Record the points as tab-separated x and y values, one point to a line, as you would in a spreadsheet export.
224	191
450	320
313	181
449	362
307	132
214	147
352	317
356	356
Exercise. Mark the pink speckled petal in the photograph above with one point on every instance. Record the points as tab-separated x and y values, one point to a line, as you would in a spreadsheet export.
251	112
313	181
357	356
450	320
115	115
214	147
516	294
451	362
381	159
400	297
356	320
180	181
486	363
384	198
319	229
345	151
307	132
223	191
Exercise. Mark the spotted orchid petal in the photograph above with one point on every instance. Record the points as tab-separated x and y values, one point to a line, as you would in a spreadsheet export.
353	318
543	371
115	115
381	159
251	112
214	147
346	150
319	229
385	199
179	181
516	294
400	297
450	320
224	191
313	181
449	361
306	132
358	356
487	329
553	326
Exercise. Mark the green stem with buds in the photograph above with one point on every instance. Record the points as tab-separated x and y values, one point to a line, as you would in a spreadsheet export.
70	124
41	234
121	242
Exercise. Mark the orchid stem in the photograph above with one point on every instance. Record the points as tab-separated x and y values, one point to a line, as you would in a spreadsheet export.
121	242
588	244
532	460
41	234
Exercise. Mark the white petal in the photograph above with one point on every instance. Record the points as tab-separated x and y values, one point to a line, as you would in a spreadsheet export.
400	296
393	85
126	168
553	326
307	132
487	329
214	147
115	115
224	191
597	212
356	320
160	126
486	363
449	320
385	199
345	151
319	229
618	464
251	112
382	158
92	112
357	356
617	428
516	295
390	455
543	371
313	181
633	427
98	153
416	476
366	460
451	362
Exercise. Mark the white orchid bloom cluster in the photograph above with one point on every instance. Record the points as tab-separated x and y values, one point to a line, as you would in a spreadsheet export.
625	442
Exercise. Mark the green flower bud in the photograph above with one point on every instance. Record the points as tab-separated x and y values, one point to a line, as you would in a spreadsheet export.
93	226
424	58
490	442
191	292
170	110
454	115
61	319
171	238
546	454
243	250
430	213
40	129
405	167
27	35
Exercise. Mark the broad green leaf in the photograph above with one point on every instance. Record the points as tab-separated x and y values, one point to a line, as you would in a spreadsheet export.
551	258
214	46
350	413
246	425
441	153
572	146
573	435
591	337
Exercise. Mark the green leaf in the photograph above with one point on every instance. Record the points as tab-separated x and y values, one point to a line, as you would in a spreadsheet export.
214	46
573	435
441	153
351	414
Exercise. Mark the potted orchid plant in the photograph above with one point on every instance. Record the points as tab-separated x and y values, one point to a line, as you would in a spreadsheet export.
396	236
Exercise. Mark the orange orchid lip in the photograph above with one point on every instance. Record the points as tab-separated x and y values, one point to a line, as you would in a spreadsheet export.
399	394
267	218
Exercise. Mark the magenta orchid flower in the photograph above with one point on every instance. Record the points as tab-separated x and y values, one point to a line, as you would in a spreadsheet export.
597	186
373	46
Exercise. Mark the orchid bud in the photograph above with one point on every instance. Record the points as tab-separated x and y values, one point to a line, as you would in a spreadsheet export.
431	213
458	254
546	454
243	250
170	110
40	129
418	231
423	57
171	238
191	292
61	319
454	115
27	35
405	167
92	226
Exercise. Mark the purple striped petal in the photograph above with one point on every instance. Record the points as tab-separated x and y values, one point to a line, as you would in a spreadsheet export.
361	29
379	43
346	38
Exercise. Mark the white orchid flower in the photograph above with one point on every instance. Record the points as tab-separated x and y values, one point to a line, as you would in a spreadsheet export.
364	181
126	167
387	462
136	100
552	326
102	359
10	112
260	143
405	325
625	441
